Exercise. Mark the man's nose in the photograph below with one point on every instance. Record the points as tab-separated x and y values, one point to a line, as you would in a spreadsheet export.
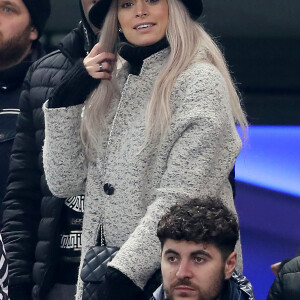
184	270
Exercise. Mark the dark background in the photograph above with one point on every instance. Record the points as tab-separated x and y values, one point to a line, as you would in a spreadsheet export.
261	41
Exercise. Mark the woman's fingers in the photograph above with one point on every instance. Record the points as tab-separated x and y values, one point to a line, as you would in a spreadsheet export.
95	50
105	67
97	59
102	75
104	56
100	70
101	65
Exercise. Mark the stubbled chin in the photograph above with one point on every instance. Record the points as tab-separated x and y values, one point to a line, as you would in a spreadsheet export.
184	295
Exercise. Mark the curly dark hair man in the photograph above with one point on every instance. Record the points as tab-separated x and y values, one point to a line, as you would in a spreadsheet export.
198	259
208	221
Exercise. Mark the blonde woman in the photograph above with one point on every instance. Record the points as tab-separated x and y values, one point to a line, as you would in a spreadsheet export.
159	130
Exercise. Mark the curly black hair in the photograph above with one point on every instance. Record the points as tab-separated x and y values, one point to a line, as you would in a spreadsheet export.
201	221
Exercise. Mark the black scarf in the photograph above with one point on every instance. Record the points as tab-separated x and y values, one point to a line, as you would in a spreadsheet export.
136	54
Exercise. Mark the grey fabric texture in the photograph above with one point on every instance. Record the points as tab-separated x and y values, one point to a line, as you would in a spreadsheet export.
193	159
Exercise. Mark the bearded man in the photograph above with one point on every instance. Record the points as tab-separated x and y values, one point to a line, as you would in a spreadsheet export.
21	25
198	259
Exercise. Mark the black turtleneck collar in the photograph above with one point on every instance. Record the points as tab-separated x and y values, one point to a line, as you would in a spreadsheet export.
136	54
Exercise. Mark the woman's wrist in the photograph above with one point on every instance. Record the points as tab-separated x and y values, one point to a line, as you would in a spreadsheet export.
75	87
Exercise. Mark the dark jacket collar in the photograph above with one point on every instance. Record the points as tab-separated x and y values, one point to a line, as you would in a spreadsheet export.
240	283
14	76
78	42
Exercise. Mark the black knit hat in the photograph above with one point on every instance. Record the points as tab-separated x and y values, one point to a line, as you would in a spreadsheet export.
39	11
98	12
194	7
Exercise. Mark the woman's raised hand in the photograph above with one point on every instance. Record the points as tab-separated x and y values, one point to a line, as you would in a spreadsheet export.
99	64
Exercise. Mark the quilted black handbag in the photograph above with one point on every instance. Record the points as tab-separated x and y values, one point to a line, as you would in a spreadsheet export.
94	267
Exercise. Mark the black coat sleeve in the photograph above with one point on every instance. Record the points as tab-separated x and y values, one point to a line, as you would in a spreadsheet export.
21	205
286	284
74	87
275	292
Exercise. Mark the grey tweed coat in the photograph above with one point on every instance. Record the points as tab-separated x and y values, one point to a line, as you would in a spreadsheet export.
194	159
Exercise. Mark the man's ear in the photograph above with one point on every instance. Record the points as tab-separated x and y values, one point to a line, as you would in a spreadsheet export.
230	264
33	34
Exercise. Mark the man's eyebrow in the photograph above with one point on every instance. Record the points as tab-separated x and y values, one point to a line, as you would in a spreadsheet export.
7	2
201	252
11	4
194	253
170	251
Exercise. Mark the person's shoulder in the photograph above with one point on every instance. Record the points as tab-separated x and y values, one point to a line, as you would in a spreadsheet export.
201	71
201	78
52	65
240	287
292	266
55	59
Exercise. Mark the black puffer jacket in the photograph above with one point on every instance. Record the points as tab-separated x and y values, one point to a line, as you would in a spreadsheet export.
31	214
286	285
11	81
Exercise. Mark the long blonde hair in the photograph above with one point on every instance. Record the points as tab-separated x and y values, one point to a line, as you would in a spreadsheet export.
185	37
96	106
